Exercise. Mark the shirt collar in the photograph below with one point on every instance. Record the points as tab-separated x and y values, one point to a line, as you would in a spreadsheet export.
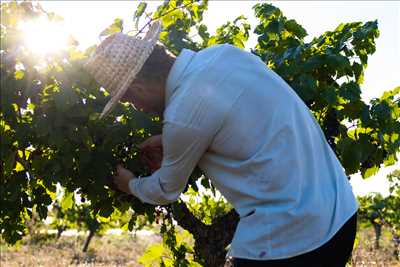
176	73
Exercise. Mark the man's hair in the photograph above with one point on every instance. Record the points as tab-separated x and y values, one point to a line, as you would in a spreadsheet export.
157	66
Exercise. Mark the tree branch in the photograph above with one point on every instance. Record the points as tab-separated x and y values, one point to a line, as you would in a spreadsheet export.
187	220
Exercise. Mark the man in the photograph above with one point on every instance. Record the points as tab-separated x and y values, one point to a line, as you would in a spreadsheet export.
226	112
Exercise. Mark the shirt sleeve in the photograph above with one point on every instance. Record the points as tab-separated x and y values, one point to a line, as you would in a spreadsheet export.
182	149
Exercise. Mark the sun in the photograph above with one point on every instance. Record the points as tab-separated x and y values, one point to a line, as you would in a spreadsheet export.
44	37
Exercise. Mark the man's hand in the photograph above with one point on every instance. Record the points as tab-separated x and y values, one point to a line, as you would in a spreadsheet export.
121	180
152	153
152	142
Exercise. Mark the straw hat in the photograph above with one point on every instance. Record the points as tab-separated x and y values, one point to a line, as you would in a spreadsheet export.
118	59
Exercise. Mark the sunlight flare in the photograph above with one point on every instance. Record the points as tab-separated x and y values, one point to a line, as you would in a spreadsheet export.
44	37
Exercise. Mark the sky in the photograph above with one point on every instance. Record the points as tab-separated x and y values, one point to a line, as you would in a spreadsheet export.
86	19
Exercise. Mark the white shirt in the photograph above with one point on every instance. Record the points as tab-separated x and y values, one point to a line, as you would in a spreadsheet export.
260	146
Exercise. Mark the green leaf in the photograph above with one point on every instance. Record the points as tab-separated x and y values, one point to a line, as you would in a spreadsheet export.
42	210
358	71
338	62
116	27
313	62
205	182
131	223
194	264
140	10
353	110
9	161
138	13
295	28
329	94
369	172
305	86
106	210
265	10
202	29
275	26
350	155
391	160
391	94
19	167
19	74
382	111
350	91
67	200
195	12
152	255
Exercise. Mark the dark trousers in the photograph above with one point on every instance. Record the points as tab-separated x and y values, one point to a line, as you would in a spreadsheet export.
335	253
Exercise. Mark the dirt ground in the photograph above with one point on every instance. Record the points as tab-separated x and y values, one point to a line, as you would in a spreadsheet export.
366	255
108	250
124	250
